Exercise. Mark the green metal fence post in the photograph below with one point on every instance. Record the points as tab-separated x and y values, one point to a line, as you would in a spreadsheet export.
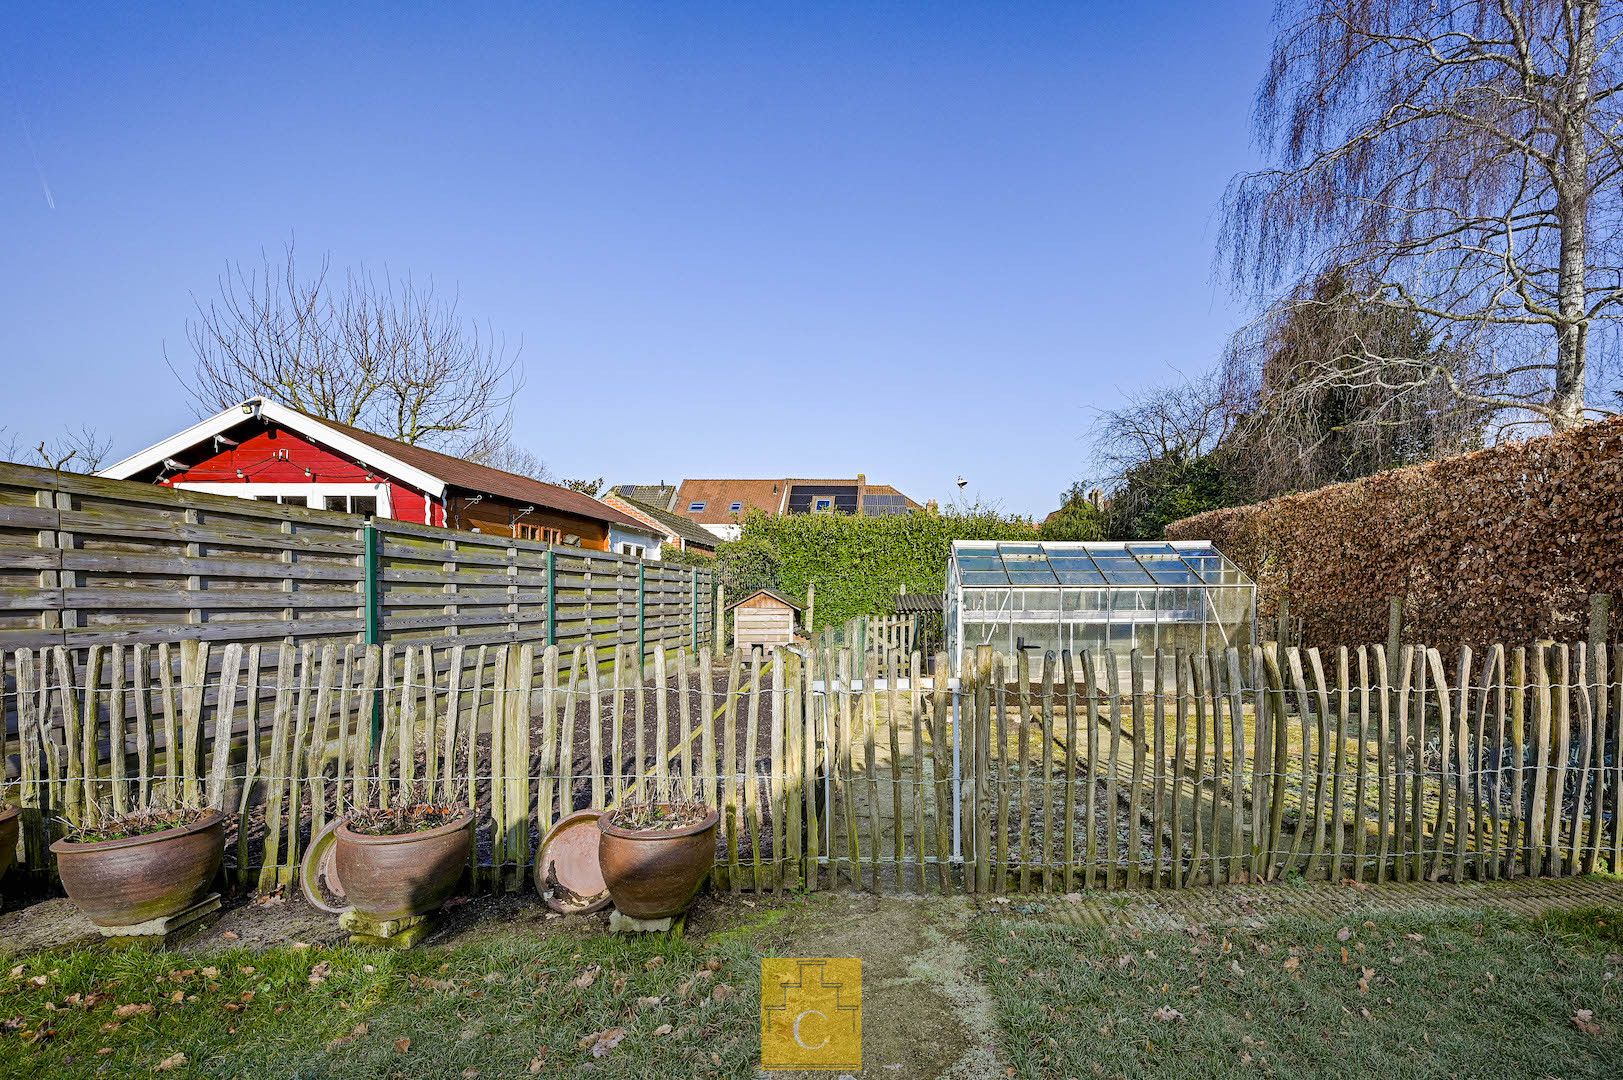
642	616
552	597
371	571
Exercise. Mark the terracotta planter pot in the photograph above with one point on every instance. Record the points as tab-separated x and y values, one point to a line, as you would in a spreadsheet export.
8	837
655	874
124	882
392	877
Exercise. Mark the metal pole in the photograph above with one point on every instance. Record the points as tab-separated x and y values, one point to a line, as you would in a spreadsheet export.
552	597
371	564
642	616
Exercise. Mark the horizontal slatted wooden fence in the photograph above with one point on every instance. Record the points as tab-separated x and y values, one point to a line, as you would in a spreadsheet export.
86	561
833	767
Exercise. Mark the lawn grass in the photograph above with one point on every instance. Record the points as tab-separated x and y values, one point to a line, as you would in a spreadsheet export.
1438	995
1442	994
500	1007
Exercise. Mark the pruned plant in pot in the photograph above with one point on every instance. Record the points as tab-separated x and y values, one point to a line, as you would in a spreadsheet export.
150	864
656	854
404	859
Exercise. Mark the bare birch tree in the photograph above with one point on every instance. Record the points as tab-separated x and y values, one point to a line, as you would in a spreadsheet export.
1463	158
387	354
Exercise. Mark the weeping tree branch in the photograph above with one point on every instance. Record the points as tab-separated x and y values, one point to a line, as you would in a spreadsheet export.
1461	161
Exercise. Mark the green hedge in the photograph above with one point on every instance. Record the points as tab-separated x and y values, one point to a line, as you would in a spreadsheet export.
859	564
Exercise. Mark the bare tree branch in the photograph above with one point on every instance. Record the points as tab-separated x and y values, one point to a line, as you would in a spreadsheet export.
382	353
1175	424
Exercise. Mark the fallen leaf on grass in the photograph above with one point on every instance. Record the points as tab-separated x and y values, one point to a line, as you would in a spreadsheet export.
721	993
663	1029
1167	1013
124	1012
318	974
1584	1021
539	1060
1344	933
402	1045
173	1061
585	978
601	1042
1365	979
1292	963
230	935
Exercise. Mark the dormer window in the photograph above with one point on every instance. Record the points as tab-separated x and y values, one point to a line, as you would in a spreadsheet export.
696	507
735	507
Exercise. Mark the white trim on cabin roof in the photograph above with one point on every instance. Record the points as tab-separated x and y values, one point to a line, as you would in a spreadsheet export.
292	419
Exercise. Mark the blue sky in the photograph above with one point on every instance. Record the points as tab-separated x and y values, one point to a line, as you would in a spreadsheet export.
924	240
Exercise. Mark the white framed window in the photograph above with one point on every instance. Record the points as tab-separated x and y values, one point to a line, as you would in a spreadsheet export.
823	504
634	550
371	500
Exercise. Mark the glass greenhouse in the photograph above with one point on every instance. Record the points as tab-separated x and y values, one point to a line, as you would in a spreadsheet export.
1120	595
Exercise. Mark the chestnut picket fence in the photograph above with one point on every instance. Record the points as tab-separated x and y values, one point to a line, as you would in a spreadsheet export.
876	769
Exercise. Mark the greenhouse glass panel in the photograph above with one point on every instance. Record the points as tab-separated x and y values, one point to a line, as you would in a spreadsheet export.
1096	595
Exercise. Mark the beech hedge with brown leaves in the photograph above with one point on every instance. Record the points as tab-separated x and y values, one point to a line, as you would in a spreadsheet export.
1504	544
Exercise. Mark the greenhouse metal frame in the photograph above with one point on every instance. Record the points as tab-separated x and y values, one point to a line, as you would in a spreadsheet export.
1048	596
